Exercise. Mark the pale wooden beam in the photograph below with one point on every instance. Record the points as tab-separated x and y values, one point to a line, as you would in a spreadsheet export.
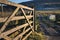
3	19
16	38
27	36
6	37
14	29
24	27
31	13
15	18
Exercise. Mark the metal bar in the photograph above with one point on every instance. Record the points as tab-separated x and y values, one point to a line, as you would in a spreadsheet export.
14	4
15	18
27	36
26	18
16	38
14	29
8	20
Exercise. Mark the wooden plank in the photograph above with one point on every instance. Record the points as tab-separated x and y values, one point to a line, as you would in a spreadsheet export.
8	20
31	13
15	4
27	19
14	29
16	38
26	36
3	19
15	18
2	0
6	37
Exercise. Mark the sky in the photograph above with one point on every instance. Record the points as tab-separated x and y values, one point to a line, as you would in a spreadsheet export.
19	1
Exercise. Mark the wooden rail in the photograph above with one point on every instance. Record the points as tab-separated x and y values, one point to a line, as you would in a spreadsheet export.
15	18
14	29
27	36
22	34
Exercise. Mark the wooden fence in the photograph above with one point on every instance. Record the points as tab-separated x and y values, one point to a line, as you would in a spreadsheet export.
18	32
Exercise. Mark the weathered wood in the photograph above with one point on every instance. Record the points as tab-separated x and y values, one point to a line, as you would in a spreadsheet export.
14	4
27	19
3	0
15	18
24	27
8	20
31	13
16	38
3	19
5	37
27	36
14	29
